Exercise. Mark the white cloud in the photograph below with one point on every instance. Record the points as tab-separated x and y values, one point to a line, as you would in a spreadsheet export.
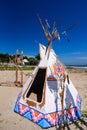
82	57
29	56
78	53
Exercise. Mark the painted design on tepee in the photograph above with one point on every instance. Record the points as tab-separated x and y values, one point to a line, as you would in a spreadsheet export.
49	98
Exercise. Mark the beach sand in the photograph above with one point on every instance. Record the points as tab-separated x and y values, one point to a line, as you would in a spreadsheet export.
9	120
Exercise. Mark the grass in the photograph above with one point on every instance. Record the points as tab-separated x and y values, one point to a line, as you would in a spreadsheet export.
14	68
69	67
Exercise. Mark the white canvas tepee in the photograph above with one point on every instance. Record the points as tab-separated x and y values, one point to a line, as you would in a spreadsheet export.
48	97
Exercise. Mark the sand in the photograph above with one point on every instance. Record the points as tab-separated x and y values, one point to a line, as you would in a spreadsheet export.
9	120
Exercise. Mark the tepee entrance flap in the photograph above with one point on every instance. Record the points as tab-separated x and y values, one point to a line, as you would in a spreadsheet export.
35	94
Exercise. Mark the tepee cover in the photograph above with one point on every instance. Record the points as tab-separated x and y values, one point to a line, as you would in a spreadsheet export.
48	97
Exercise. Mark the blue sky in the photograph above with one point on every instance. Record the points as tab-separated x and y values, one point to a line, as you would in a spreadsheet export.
20	28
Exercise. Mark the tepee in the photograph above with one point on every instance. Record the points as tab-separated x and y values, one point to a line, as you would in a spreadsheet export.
49	98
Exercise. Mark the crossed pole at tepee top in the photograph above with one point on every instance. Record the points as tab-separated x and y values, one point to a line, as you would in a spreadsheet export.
50	36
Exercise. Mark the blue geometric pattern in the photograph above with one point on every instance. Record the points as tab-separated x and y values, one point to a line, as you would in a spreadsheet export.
16	108
28	115
42	119
44	123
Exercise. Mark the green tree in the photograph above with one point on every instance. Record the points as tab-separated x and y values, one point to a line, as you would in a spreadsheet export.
4	57
33	61
38	57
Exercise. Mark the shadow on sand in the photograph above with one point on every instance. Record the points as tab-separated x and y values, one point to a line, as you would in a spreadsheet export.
79	125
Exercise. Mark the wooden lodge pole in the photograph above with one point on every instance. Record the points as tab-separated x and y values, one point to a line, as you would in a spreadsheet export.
21	76
16	75
21	58
16	62
19	62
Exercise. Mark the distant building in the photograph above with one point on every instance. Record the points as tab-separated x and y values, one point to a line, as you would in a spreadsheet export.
25	62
